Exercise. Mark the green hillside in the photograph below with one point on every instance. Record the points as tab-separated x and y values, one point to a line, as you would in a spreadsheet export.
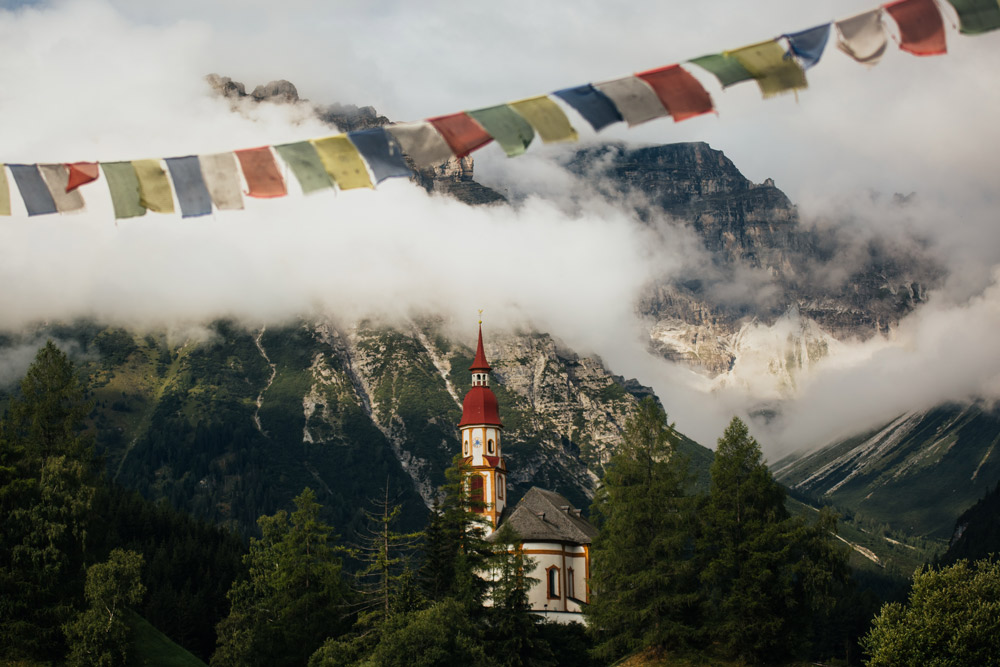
915	475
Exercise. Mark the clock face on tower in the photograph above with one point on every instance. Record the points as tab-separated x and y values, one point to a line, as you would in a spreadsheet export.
479	443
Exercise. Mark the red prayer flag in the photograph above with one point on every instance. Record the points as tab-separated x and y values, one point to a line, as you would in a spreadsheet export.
81	173
462	133
921	30
680	92
261	172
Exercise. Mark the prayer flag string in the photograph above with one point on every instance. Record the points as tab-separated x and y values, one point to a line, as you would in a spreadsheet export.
360	159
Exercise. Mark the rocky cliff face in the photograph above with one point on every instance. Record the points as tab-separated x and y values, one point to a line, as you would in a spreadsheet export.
753	229
235	423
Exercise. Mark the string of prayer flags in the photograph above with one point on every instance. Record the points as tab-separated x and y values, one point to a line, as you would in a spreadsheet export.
123	185
726	69
304	161
154	186
382	153
56	177
921	29
424	144
977	16
774	73
222	179
546	118
343	162
261	173
679	92
352	160
462	133
863	37
808	45
80	173
189	184
635	99
34	192
595	107
506	126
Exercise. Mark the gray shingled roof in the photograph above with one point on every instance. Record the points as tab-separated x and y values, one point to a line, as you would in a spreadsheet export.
545	516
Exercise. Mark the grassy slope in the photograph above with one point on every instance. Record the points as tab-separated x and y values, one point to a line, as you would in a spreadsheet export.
152	647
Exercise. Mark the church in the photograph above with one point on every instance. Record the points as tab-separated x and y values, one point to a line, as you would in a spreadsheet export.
554	534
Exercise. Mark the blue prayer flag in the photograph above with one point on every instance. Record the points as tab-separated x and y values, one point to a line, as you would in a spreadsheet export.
808	44
37	198
595	107
189	184
382	153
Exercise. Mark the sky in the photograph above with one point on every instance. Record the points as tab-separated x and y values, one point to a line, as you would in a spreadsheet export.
123	79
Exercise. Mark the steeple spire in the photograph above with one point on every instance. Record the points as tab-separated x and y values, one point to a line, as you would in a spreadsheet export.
480	363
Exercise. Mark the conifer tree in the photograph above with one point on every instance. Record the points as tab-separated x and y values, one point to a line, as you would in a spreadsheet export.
47	486
456	550
643	586
765	575
293	598
514	635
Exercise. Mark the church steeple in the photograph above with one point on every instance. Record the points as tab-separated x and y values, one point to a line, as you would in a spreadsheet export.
480	435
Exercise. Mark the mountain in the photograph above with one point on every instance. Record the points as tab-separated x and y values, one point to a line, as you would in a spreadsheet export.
915	474
977	531
232	423
752	235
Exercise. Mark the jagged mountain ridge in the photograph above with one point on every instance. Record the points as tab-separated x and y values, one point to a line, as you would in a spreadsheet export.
751	228
917	473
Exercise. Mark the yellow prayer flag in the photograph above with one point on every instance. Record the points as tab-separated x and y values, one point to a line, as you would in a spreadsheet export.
343	162
4	192
546	117
767	63
154	186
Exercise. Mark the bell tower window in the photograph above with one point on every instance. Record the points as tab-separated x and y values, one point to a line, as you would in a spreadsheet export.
489	446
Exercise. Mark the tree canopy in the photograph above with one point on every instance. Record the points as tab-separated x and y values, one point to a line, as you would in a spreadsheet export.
949	620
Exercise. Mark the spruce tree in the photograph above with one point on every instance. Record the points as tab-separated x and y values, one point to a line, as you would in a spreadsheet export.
48	477
643	586
456	550
514	635
765	575
293	598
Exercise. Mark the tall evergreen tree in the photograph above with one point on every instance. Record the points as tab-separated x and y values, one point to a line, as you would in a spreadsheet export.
456	550
293	598
643	586
765	574
47	485
514	637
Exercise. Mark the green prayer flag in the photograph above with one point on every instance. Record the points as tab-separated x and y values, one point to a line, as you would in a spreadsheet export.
306	165
4	192
726	69
507	127
123	185
154	186
546	117
977	16
767	63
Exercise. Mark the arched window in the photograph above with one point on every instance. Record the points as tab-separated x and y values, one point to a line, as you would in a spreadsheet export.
552	581
500	486
570	588
465	448
489	446
476	492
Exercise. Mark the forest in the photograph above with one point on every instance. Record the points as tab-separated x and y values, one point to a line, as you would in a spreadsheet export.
679	575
